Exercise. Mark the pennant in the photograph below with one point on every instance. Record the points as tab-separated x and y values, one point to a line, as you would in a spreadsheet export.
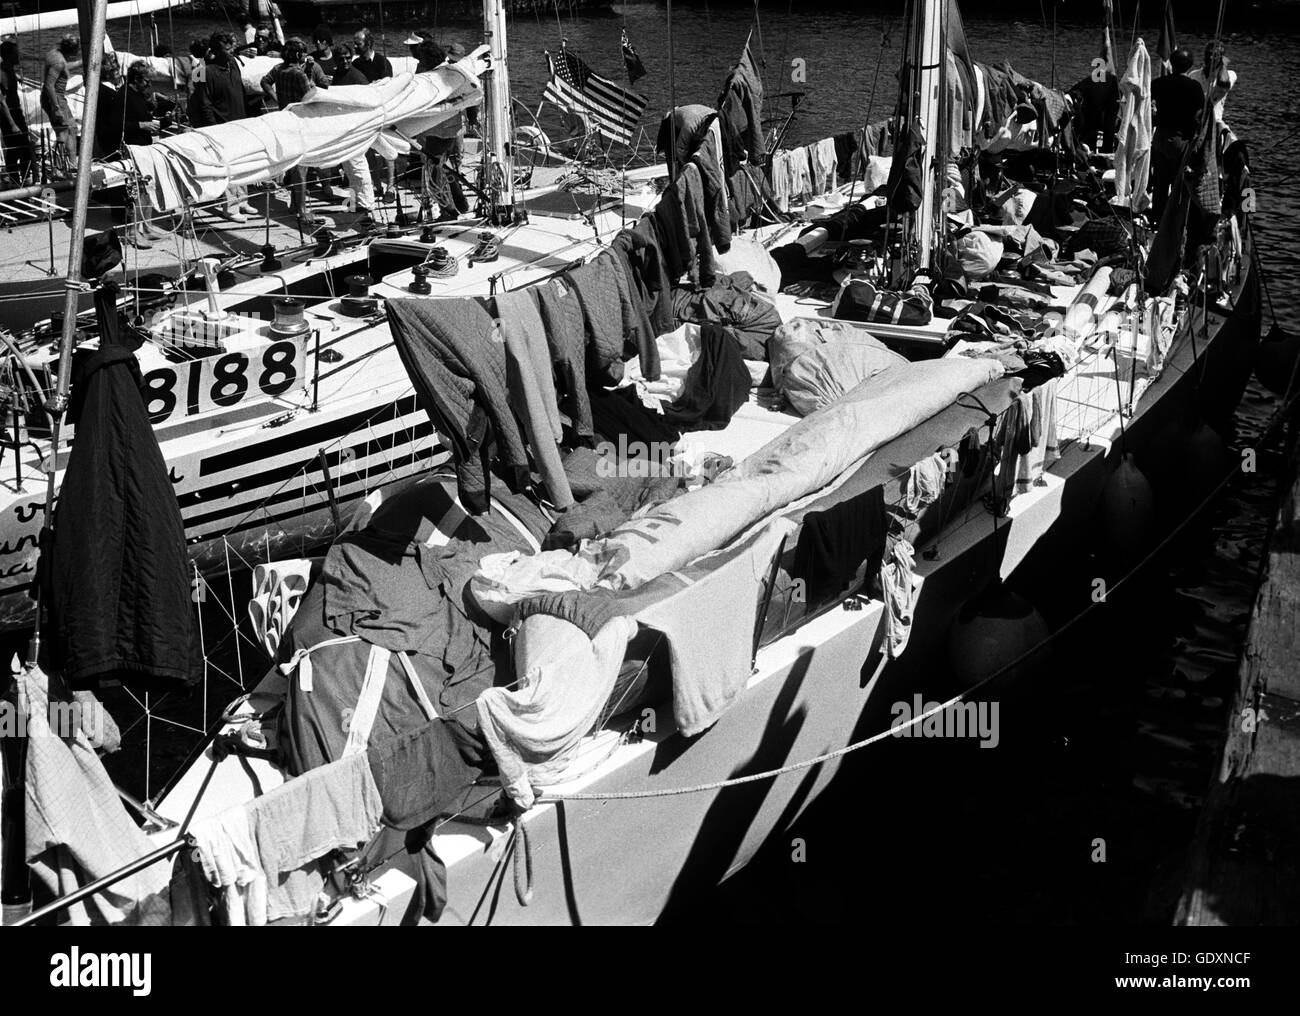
1167	44
632	61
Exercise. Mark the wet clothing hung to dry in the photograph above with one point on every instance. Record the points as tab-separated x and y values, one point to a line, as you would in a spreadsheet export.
750	192
834	544
532	387
459	374
116	577
741	107
566	336
684	228
640	246
615	320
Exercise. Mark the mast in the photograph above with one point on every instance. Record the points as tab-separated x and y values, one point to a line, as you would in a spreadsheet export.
930	71
93	22
498	152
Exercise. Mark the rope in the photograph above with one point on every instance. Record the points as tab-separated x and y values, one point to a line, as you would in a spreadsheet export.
522	851
440	264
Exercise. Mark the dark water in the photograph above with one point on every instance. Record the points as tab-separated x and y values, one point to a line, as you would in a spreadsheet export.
1119	739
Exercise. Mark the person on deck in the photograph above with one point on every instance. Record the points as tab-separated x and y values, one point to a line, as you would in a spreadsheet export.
443	151
59	63
286	84
294	77
455	53
1214	77
135	116
373	65
263	44
356	169
427	53
108	124
413	42
198	56
326	57
1178	101
219	98
13	123
325	53
347	74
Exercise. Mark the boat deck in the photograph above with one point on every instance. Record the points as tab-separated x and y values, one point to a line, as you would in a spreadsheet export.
608	761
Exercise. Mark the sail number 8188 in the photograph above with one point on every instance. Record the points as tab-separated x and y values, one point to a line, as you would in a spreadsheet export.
220	382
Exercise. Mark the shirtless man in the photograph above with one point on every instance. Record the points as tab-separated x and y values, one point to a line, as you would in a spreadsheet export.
59	63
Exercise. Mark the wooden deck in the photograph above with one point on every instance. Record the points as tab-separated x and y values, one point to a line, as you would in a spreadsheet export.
1244	864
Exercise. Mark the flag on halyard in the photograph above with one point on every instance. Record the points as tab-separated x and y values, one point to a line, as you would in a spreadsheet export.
1167	44
609	108
1107	49
632	61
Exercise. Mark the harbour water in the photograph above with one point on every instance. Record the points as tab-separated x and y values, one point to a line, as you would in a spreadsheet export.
1117	738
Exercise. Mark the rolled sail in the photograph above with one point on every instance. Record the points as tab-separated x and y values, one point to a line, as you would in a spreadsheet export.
327	128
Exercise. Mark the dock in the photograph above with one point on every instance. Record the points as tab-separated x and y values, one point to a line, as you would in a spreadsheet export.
1244	864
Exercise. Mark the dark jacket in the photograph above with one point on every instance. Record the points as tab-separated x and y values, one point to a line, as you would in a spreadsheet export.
118	575
641	246
458	368
741	106
219	97
1178	103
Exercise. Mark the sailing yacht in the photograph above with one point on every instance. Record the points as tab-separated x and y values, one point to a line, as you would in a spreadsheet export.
678	763
272	424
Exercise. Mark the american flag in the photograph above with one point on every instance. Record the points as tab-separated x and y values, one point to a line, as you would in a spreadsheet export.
610	109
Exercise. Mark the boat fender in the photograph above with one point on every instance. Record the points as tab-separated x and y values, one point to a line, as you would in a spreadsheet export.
1128	511
1275	363
994	630
1186	460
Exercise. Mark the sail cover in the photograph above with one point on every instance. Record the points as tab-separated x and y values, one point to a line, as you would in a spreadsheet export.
24	24
329	127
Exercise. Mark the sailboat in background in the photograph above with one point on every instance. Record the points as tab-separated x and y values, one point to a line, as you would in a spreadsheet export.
276	394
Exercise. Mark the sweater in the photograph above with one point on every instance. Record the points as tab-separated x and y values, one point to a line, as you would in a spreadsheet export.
459	373
566	335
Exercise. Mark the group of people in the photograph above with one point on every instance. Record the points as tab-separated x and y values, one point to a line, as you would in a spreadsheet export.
1179	101
219	96
131	112
60	62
